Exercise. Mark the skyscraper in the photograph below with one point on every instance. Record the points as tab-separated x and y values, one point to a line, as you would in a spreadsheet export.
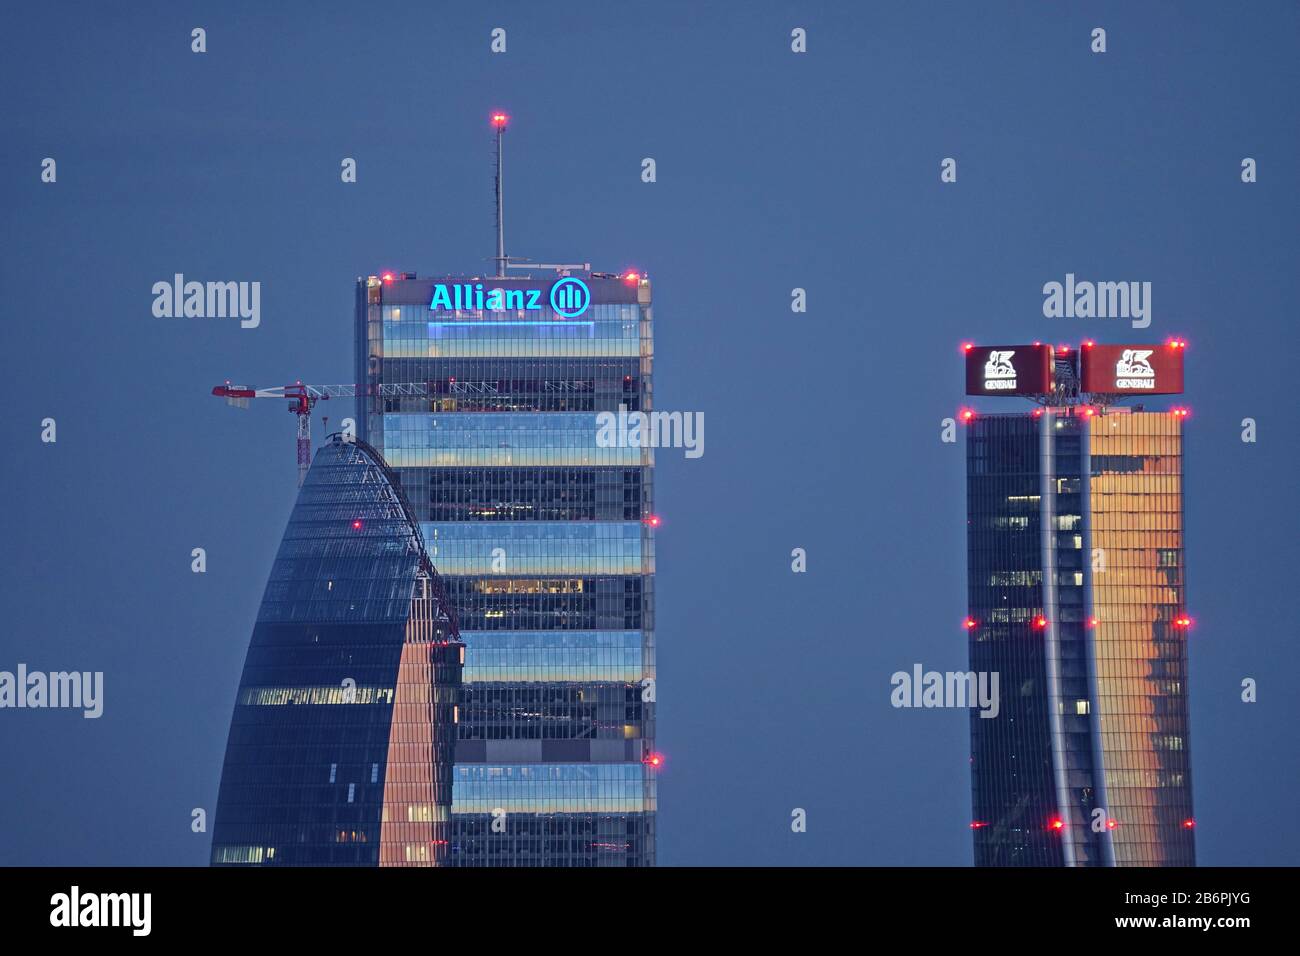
340	749
1077	599
545	540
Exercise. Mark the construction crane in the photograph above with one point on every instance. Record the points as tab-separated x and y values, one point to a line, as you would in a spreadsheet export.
303	398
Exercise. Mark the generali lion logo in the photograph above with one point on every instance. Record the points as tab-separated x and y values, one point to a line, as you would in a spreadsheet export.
999	373
1133	370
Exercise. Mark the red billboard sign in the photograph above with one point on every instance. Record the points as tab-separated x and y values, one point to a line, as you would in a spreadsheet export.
1008	369
1131	369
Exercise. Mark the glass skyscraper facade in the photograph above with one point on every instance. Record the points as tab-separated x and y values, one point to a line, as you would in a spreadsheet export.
1077	599
341	745
545	540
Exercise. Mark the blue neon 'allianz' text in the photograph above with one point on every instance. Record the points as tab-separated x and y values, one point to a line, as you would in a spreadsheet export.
473	297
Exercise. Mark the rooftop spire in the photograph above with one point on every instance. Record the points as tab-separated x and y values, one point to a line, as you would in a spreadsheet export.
499	121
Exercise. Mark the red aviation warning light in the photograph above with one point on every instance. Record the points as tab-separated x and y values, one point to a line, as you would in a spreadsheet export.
1183	622
500	119
1056	824
1189	824
970	624
387	277
977	824
967	346
1040	623
1091	623
654	760
1112	823
1177	343
966	415
632	278
1180	412
356	524
651	521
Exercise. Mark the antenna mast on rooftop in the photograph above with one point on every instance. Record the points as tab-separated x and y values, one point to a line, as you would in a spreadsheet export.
499	121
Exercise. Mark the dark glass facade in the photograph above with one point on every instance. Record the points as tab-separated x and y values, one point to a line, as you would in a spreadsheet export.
342	742
542	538
1076	596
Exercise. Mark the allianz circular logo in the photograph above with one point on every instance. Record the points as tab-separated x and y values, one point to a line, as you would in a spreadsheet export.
570	297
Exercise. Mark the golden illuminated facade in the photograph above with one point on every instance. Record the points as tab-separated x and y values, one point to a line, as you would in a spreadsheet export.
1139	636
415	821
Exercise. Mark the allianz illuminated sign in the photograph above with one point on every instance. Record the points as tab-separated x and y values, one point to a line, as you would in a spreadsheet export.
568	298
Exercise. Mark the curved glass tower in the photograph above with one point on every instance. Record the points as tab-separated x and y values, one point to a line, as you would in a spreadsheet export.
1078	599
342	742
